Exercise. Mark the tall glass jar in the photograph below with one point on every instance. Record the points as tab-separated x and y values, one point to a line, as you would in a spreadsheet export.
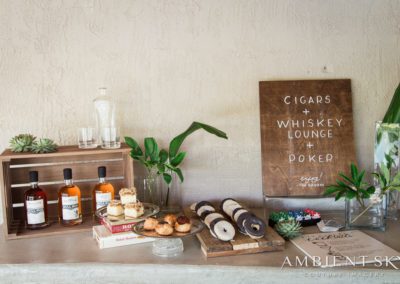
386	150
108	129
368	214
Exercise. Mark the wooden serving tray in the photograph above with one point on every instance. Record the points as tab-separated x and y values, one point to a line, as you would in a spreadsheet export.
242	244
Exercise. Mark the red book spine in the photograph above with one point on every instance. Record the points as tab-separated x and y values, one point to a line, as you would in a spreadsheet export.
115	229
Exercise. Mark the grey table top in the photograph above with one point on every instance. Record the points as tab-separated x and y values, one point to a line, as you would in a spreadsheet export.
79	250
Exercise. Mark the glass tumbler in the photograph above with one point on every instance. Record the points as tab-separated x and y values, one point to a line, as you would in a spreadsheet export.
110	138
87	138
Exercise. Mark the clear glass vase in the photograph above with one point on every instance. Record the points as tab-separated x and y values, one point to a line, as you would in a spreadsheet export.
171	196
386	150
368	214
152	190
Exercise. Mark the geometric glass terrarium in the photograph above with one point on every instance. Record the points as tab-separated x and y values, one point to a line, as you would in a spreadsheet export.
367	213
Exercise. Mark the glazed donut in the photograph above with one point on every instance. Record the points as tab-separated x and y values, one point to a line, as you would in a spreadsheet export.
222	229
183	224
193	206
205	213
150	224
254	227
237	213
202	203
248	223
164	229
227	202
205	208
240	221
211	217
230	208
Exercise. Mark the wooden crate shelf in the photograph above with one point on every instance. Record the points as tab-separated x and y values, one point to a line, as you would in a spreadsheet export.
14	178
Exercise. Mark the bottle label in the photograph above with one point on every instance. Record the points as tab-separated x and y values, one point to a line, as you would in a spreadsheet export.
35	211
70	207
102	199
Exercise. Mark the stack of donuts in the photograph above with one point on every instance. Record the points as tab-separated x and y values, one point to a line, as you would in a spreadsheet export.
219	226
247	222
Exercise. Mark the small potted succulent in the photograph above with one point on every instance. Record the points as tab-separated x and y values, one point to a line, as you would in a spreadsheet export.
28	143
365	204
166	164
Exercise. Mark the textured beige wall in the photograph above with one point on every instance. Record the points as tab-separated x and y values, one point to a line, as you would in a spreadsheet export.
171	62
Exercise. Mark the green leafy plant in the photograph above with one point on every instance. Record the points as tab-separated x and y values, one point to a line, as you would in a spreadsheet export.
393	113
351	187
385	180
356	187
161	161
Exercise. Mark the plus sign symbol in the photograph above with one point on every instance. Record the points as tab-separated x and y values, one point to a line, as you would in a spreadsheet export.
306	111
309	145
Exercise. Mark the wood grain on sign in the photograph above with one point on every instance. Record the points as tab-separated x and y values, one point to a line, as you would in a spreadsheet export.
306	135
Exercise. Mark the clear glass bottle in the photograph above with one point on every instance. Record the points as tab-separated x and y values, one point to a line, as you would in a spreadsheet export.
106	110
35	204
103	192
69	201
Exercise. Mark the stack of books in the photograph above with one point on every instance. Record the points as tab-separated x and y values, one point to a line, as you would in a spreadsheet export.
117	233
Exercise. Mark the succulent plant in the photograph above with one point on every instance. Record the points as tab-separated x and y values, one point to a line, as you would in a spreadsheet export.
288	229
44	145
22	143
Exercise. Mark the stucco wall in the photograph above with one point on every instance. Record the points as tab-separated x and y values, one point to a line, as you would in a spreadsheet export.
169	63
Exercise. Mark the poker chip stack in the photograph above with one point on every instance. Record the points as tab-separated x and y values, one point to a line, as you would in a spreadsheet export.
306	217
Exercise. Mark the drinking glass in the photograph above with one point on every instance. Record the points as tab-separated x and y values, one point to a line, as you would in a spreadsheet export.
87	138
110	138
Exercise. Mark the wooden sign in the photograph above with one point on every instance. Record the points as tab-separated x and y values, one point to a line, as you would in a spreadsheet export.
306	135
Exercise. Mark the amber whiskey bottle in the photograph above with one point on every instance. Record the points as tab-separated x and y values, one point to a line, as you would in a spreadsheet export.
69	202
35	204
103	192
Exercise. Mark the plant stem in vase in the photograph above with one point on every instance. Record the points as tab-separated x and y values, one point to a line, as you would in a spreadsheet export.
370	214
